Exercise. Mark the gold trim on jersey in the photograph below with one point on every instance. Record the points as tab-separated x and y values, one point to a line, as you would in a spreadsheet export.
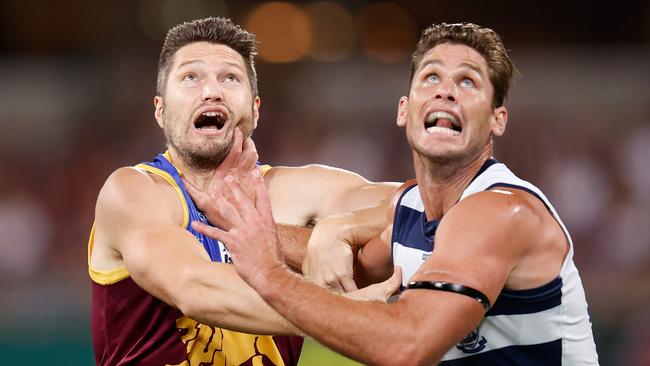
115	275
264	168
118	274
166	176
104	277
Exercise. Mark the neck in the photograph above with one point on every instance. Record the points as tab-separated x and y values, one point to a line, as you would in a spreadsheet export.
200	178
443	182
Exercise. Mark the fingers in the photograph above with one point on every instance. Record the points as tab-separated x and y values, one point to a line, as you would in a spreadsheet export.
395	281
348	284
199	197
262	200
248	158
235	150
380	291
329	282
211	231
240	201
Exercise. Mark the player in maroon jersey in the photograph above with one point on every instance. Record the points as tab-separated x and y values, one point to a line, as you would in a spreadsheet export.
163	294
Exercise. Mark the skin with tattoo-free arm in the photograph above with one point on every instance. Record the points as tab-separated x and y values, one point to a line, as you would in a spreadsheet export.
139	226
239	163
480	242
353	248
300	197
305	195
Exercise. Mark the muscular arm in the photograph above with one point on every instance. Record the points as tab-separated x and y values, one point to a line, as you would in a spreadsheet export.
304	195
293	239
138	217
359	239
479	244
300	197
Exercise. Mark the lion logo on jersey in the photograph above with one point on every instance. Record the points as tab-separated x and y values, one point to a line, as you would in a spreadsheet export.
208	345
473	343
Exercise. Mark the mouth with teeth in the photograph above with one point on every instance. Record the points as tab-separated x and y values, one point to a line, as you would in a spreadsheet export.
212	120
442	122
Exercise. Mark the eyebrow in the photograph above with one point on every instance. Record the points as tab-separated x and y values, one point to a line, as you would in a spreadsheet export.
467	65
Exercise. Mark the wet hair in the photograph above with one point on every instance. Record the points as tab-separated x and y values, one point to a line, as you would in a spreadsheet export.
484	40
215	30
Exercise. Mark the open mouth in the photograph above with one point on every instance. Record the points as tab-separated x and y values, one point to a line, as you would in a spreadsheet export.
212	120
443	122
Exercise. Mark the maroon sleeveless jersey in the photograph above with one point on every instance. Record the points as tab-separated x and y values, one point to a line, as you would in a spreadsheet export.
132	327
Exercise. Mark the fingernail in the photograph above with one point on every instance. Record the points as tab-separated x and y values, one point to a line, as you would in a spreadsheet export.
229	178
255	173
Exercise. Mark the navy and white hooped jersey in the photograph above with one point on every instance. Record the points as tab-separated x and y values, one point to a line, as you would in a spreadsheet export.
548	325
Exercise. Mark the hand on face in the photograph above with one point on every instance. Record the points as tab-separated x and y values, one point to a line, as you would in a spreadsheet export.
239	163
252	235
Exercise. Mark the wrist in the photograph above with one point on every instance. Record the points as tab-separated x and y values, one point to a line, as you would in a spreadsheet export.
346	231
340	227
271	279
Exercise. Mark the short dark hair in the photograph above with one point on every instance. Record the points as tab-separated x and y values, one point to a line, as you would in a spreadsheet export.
214	30
484	40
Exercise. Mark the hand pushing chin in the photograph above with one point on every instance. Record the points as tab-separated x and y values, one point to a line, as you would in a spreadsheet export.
252	238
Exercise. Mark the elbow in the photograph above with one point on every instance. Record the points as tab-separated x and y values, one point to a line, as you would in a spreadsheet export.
193	304
189	297
188	304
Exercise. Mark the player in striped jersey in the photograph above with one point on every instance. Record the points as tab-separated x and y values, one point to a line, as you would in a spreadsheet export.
488	272
164	294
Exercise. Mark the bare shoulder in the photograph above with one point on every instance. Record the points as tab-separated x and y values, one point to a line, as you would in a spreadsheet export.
305	194
131	199
513	227
129	190
511	207
310	174
490	227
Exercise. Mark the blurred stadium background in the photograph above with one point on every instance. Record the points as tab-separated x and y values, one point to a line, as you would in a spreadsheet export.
78	77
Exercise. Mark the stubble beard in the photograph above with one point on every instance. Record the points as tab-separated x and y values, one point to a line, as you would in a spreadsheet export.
446	162
205	156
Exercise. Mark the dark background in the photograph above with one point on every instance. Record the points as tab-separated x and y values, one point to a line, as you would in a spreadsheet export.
77	80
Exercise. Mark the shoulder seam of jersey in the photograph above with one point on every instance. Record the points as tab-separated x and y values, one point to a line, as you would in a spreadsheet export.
166	176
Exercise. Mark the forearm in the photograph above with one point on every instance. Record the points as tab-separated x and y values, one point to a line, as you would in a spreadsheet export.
366	224
354	228
223	299
370	332
293	244
373	263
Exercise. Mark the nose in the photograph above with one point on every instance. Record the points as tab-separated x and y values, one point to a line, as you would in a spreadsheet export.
212	91
446	90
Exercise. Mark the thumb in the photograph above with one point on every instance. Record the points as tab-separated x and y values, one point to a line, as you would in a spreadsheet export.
381	291
392	284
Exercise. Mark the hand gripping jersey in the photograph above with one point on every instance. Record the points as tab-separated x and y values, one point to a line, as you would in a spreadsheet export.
548	325
131	327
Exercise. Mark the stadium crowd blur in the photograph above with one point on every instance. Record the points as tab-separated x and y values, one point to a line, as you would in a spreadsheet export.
78	80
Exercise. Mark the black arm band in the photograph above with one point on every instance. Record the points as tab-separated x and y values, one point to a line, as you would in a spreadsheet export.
451	287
